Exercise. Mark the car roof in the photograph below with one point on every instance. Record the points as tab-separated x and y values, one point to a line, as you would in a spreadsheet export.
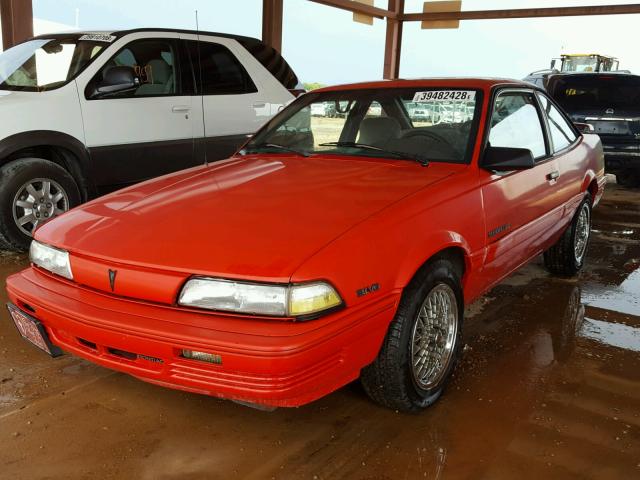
457	82
122	33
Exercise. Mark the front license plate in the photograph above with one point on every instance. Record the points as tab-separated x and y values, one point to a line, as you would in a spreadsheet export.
33	330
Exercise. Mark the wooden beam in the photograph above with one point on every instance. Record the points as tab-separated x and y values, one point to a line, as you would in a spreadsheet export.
393	41
16	17
362	18
357	7
525	13
272	23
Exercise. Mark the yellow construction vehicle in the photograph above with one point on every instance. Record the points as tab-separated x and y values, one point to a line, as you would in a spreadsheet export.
590	62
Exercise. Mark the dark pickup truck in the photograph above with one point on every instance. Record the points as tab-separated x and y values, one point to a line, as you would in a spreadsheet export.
610	103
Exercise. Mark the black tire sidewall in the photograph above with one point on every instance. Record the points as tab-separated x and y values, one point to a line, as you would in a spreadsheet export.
441	272
13	176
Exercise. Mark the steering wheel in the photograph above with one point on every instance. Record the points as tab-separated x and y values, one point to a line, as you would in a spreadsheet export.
426	133
443	143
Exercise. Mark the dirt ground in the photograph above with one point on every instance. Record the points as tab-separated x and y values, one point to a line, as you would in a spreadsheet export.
548	387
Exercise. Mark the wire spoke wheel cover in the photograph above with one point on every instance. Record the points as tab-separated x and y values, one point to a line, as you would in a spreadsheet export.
38	201
583	230
433	339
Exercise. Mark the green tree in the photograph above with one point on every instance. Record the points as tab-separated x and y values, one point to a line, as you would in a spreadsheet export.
308	86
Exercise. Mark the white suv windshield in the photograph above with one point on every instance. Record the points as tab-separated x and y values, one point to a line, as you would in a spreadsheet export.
44	64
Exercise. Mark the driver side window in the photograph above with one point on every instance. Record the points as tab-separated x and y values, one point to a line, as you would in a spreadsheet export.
515	123
152	61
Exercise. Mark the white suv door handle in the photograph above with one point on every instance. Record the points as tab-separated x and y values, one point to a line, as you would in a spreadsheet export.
259	105
180	109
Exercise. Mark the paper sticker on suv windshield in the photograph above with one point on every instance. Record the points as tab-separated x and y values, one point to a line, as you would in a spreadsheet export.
442	95
98	37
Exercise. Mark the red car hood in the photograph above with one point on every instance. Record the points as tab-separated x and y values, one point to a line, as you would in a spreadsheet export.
257	217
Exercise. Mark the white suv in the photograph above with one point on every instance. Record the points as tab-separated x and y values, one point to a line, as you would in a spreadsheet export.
86	113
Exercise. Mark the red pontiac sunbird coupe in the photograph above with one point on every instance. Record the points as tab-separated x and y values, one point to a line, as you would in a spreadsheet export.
330	247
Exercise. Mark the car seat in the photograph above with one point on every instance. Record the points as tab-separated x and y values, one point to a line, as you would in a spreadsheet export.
377	131
160	78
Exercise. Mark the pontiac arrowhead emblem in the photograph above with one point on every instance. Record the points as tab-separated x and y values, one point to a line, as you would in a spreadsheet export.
112	278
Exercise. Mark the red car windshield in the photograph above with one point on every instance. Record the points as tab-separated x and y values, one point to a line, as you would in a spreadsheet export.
423	124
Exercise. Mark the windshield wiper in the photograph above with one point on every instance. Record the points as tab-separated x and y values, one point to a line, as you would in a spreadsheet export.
403	155
279	147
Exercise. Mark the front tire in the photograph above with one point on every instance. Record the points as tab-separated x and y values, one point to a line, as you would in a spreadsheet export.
567	256
422	344
32	192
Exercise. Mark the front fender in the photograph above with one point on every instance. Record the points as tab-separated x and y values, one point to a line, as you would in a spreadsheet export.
79	164
434	243
388	249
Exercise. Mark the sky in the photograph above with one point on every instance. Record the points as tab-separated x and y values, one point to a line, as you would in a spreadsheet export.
324	45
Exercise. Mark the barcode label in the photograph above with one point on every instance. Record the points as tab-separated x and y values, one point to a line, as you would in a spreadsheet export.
444	95
98	37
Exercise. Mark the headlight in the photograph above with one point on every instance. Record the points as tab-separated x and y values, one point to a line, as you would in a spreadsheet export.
260	299
50	258
233	296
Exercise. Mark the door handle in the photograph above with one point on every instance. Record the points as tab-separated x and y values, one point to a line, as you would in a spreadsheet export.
180	108
553	175
259	105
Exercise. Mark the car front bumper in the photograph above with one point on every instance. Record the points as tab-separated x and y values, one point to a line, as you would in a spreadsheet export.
262	361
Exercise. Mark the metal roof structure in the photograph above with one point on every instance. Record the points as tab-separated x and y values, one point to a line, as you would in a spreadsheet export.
395	17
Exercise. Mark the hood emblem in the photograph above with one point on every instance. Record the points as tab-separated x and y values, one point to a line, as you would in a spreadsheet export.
112	278
609	111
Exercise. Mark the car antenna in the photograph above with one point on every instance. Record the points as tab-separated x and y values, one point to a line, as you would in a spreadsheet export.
204	124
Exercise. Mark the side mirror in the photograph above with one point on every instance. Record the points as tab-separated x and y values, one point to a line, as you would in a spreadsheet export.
116	80
584	127
506	159
553	64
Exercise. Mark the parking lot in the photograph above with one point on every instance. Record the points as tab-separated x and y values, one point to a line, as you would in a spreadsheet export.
548	387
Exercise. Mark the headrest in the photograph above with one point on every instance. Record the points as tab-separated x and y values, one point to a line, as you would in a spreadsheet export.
378	130
160	71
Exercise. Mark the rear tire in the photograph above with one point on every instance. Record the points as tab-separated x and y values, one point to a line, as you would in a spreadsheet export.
422	344
32	192
567	256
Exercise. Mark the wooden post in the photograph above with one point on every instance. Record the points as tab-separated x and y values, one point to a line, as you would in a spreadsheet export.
17	21
393	41
272	23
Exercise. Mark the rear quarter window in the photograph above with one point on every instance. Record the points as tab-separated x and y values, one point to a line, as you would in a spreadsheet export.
562	134
272	61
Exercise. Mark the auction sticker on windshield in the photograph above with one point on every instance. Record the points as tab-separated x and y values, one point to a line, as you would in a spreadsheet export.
98	37
435	95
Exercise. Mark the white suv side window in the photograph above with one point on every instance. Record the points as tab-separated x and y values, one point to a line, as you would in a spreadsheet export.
222	73
515	123
153	61
562	135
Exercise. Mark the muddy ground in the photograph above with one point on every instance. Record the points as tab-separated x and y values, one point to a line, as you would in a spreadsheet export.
548	387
